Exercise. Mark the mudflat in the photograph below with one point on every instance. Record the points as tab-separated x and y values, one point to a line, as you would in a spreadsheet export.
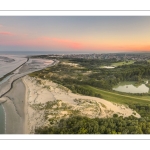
12	94
14	108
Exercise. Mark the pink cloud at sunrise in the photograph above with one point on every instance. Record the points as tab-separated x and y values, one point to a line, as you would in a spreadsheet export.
58	43
91	33
43	42
6	33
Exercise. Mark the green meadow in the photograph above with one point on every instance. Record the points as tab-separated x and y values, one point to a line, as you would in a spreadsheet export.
122	63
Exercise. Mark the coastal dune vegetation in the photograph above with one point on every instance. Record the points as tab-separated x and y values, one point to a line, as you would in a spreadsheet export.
49	102
87	77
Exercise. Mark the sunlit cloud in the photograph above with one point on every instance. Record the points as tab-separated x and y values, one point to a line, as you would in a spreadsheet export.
63	43
67	43
77	33
45	42
6	33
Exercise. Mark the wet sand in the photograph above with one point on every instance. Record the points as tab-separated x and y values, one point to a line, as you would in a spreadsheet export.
13	92
8	64
14	108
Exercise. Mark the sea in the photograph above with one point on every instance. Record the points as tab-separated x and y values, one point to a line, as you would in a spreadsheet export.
32	53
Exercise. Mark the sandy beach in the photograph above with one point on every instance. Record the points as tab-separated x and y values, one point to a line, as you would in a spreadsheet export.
39	94
15	109
12	95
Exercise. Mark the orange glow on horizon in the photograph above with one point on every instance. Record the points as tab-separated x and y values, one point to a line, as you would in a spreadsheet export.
49	42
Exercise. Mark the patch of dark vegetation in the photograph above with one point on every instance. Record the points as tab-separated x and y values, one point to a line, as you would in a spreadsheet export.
85	125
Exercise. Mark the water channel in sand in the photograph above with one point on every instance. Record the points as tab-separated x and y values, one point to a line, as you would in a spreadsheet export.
28	67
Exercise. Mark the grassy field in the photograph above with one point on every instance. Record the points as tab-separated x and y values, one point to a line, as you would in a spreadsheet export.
122	63
118	98
148	60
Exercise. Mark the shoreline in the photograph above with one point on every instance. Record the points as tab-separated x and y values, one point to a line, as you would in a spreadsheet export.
14	122
15	108
2	120
4	117
14	103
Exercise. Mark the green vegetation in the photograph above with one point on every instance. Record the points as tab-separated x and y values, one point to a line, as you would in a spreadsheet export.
55	109
89	73
122	63
123	98
138	103
89	79
84	125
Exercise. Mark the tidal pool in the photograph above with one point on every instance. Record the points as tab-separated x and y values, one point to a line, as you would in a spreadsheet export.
129	87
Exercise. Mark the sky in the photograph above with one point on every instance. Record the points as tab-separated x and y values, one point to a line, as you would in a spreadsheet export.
75	33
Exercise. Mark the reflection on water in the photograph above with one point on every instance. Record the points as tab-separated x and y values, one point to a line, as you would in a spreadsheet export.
129	87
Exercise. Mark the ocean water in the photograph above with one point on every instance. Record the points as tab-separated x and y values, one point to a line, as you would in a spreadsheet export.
26	53
29	53
2	120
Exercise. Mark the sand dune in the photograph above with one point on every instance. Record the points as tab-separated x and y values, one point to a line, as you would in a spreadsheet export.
65	103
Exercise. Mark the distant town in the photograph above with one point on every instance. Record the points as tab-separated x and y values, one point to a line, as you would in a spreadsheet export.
117	56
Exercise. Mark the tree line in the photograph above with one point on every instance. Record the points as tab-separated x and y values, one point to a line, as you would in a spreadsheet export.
85	125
